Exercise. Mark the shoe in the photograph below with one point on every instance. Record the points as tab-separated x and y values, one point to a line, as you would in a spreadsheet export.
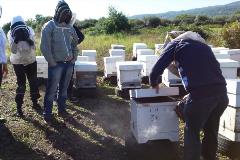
48	119
36	106
63	114
19	113
73	99
3	120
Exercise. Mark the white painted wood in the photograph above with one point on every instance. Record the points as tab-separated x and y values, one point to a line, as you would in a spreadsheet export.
129	65
154	121
117	46
91	54
110	68
216	50
234	54
117	52
230	119
168	76
85	66
233	136
42	67
222	56
148	61
233	86
229	73
163	91
129	74
82	58
137	46
145	52
234	100
228	63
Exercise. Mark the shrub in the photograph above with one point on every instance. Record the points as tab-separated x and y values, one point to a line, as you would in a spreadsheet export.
231	35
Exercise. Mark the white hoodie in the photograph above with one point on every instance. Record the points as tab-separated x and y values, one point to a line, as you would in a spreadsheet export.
22	53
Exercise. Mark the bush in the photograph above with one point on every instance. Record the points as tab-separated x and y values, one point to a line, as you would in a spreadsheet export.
231	35
114	23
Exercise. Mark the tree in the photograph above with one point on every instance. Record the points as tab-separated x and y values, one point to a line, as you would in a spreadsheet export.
6	27
152	21
115	22
201	20
185	19
231	35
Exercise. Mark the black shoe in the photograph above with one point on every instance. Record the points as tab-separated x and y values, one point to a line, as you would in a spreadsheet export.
73	99
48	119
3	120
19	113
63	114
36	106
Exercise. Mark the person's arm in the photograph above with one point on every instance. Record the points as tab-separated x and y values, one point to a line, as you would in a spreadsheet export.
45	44
165	59
74	44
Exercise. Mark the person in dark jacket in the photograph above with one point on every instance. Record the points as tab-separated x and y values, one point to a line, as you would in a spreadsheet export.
207	95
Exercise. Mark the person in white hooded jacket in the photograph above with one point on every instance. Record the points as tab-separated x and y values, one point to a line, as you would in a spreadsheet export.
21	40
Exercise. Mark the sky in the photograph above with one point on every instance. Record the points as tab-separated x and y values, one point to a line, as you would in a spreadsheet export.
95	9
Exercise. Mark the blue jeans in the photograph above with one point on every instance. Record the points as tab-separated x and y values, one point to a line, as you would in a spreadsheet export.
59	75
202	114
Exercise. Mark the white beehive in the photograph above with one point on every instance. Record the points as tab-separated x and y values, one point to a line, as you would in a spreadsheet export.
222	56
233	136
158	48
129	74
229	68
141	52
117	52
42	67
234	54
110	68
137	46
154	120
169	77
86	74
233	89
230	119
117	46
148	61
82	58
216	50
91	54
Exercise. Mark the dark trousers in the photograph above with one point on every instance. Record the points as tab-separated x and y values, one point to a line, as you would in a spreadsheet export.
1	74
26	72
202	114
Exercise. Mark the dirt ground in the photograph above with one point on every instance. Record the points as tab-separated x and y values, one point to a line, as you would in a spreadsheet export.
96	129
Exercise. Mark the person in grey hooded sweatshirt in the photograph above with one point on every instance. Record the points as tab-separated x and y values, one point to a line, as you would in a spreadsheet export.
59	47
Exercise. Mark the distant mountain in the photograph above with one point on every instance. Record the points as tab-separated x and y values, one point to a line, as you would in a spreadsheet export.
219	10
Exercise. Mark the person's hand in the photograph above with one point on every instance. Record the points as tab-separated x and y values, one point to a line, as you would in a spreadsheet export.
52	64
5	71
156	88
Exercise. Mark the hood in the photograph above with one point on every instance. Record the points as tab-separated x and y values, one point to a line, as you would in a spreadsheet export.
17	19
62	12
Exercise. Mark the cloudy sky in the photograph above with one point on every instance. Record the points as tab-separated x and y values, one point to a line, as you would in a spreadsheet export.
98	8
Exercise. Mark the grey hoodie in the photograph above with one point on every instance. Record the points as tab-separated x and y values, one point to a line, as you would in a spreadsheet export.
58	42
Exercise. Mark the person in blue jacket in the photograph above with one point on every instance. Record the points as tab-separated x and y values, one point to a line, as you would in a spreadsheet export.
206	87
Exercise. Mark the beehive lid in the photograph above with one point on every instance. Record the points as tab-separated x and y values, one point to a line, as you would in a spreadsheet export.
82	58
145	52
113	59
40	59
228	63
222	56
158	46
129	65
218	49
233	86
139	45
85	66
117	46
116	51
151	92
148	58
91	53
231	51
